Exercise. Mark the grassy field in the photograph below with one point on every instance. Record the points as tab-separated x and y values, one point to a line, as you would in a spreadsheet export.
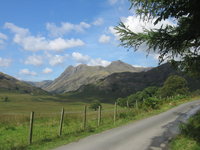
189	139
14	120
15	114
25	103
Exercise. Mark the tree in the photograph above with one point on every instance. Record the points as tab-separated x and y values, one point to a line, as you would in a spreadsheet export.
122	102
174	85
95	105
142	95
182	40
152	102
6	99
150	91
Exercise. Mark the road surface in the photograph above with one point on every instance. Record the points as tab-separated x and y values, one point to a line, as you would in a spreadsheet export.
148	134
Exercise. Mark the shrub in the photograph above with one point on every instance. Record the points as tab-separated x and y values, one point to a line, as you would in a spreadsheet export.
123	115
196	93
192	127
6	99
174	85
122	102
152	102
95	105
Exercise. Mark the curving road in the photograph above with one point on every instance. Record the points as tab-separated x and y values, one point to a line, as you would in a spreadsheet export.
148	134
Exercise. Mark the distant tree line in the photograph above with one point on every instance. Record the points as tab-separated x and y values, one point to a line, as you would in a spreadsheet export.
175	87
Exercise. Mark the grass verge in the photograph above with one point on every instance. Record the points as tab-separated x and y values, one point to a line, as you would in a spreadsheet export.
189	138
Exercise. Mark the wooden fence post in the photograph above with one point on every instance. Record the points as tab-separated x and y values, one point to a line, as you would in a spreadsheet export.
99	116
115	112
85	117
61	121
136	104
127	104
31	127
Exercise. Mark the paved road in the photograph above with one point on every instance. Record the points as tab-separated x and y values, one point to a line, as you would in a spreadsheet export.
147	134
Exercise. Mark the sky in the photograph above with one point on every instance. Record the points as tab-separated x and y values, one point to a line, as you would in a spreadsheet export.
39	39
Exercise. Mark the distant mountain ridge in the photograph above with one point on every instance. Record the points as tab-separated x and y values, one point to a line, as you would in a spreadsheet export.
123	84
41	84
11	84
75	77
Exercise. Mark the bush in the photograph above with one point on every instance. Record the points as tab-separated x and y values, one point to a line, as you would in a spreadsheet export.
122	102
178	97
95	105
174	85
152	102
192	127
123	115
196	93
6	99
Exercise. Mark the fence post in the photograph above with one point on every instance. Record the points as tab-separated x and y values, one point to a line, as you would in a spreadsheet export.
99	116
61	121
115	112
136	104
85	117
31	127
127	104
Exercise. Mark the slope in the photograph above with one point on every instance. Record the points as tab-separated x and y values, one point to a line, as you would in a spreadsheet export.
123	84
42	84
10	84
75	77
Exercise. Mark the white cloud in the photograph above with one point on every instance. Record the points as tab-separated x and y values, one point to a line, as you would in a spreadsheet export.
80	58
104	39
27	72
155	56
65	28
137	25
4	62
114	32
34	60
85	59
138	66
98	22
3	37
112	2
47	70
56	59
98	62
1	43
35	43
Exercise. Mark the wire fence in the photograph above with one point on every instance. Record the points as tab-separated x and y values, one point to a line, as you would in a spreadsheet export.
39	127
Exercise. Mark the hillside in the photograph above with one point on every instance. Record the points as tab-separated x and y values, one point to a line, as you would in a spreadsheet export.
10	84
123	84
75	77
42	84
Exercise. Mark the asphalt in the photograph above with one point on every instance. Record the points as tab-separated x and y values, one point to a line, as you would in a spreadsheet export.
152	133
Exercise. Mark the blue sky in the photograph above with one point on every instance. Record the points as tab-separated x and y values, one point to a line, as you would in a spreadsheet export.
39	39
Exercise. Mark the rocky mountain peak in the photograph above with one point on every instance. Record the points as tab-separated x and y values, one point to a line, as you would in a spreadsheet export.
74	77
118	62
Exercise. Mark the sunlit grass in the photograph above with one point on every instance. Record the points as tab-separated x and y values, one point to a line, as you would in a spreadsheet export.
189	138
14	122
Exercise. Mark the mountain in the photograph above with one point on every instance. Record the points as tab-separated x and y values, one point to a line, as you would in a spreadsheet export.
42	84
119	66
75	77
10	84
123	84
